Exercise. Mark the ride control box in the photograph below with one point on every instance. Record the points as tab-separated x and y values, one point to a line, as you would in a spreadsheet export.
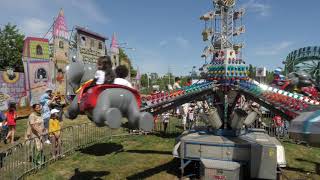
219	170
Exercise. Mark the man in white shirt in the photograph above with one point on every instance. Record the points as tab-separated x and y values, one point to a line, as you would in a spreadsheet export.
121	74
176	85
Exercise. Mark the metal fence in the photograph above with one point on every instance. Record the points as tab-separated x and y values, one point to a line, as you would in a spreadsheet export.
25	157
175	126
266	123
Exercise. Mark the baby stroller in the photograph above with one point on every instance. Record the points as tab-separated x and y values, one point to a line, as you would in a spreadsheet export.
3	128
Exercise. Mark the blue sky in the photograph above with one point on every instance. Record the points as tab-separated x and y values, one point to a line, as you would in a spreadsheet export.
167	33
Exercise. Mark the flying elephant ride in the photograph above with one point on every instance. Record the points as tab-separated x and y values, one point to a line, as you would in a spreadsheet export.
104	104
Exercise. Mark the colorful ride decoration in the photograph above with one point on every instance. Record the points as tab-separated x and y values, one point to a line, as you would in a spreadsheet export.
298	82
161	97
36	67
226	67
12	87
292	103
222	25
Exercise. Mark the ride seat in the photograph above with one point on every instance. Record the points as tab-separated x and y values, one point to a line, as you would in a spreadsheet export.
88	99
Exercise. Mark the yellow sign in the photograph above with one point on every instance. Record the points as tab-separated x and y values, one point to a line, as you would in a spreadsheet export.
271	152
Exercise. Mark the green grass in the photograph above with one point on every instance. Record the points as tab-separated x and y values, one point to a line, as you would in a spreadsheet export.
140	157
302	161
133	157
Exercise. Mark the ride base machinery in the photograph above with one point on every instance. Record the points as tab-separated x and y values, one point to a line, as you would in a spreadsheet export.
226	148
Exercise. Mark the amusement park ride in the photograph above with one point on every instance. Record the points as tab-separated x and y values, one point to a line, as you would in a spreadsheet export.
227	148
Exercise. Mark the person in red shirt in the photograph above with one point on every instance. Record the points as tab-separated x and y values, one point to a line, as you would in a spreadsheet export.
279	123
11	117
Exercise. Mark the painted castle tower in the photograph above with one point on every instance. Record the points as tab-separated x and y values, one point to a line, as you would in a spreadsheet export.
114	51
36	64
115	55
60	52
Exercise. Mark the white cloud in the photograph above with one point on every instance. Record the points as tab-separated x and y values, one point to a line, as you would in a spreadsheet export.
90	10
258	6
274	49
34	27
150	60
163	43
182	42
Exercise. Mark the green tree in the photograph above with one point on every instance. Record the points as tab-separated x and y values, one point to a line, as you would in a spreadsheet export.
252	71
122	57
11	46
144	80
269	77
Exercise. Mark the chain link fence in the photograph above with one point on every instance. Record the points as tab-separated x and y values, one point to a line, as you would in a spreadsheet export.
33	154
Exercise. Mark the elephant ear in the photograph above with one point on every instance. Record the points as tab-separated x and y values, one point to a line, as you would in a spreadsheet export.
89	71
74	73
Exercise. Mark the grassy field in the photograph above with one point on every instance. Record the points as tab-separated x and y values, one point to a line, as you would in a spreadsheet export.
149	157
302	161
131	157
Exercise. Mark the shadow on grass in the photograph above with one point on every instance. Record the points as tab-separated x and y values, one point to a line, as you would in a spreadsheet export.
149	152
84	175
168	134
298	170
170	167
102	149
316	164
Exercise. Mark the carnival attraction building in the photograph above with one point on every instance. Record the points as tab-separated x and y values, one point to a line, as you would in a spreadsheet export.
89	45
45	60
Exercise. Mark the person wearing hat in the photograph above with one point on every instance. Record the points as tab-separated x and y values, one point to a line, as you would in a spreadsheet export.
54	133
57	104
46	100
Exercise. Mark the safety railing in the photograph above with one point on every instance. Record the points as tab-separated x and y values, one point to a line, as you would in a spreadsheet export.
176	126
32	154
266	123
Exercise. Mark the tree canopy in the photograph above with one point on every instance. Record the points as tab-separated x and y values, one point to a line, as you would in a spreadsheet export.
11	46
122	57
